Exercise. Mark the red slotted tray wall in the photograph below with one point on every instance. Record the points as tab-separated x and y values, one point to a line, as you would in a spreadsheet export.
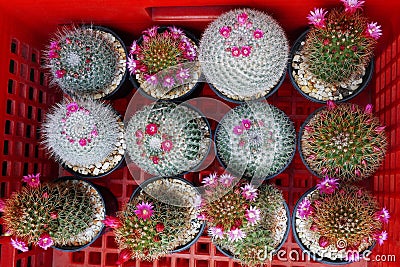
25	97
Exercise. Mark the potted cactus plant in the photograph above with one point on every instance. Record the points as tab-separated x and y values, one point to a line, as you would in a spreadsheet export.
86	61
255	140
167	139
163	63
66	214
85	136
338	223
159	219
343	141
243	55
333	60
247	223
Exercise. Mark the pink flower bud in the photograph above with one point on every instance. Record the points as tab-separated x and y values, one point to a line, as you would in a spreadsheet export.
368	109
330	105
380	129
323	242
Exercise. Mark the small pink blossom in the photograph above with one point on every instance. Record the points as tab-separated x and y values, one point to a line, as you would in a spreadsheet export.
314	227
53	54
94	133
368	109
374	30
112	222
144	210
155	159
330	105
132	65
33	180
55	45
45	195
382	215
246	124
238	130
175	32
242	18
166	145
352	5
82	142
202	217
258	34
380	237
305	209
328	185
182	75
72	107
60	73
151	79
235	51
45	241
357	172
19	244
252	215
124	256
236	234
323	242
151	129
246	50
190	53
226	179
134	48
68	41
151	32
317	17
168	82
225	31
216	232
249	192
211	180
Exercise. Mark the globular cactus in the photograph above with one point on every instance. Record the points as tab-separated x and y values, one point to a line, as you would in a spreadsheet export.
167	139
243	54
161	218
164	62
343	141
255	140
81	132
339	46
85	61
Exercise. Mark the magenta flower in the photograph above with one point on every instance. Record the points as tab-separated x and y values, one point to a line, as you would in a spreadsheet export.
305	209
216	232
382	215
190	53
132	65
124	256
166	145
168	82
374	30
72	107
32	179
201	217
151	129
317	17
134	49
323	242
144	210
151	32
236	234
94	133
175	32
380	237
112	222
2	205
246	124
330	105
151	79
54	45
155	159
380	129
182	75
235	51
225	31
246	50
258	34
252	215
242	18
328	185
53	54
82	142
368	109
226	179
60	73
249	192
45	241
19	244
210	180
352	5
238	130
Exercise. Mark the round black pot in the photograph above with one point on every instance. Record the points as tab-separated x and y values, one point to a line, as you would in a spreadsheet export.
285	236
148	181
110	204
305	249
181	98
366	78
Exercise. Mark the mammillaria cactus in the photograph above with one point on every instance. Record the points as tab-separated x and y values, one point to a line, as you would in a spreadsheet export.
167	139
84	135
336	51
255	140
86	61
242	219
159	219
343	141
164	62
243	54
339	222
65	213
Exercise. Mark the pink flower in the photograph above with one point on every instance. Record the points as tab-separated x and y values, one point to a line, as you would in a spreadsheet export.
175	32
112	222
139	134
134	48
380	237
45	195
368	109
249	192
236	234
323	242
246	124
235	51
226	179
151	129
124	256
246	50
201	217
82	142
2	205
155	159
72	107
20	245
258	34
160	227
314	227
242	18
54	45
54	215
68	41
328	185
225	31
151	32
168	82
330	105
210	180
382	215
94	133
357	172
53	54
151	79
317	17
32	180
238	130
305	209
216	232
144	210
190	53
182	75
60	73
132	65
374	30
45	241
252	215
380	129
166	145
352	5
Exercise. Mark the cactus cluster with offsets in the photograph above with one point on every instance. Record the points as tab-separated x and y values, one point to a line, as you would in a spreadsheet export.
86	61
343	140
243	54
255	140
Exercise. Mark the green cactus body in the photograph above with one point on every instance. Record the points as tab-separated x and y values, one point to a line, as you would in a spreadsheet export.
166	139
255	140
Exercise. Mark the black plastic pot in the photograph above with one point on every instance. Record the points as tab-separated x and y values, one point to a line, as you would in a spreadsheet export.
196	87
305	249
110	204
148	181
285	236
366	79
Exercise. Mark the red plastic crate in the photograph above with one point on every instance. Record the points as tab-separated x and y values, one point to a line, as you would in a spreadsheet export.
25	27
